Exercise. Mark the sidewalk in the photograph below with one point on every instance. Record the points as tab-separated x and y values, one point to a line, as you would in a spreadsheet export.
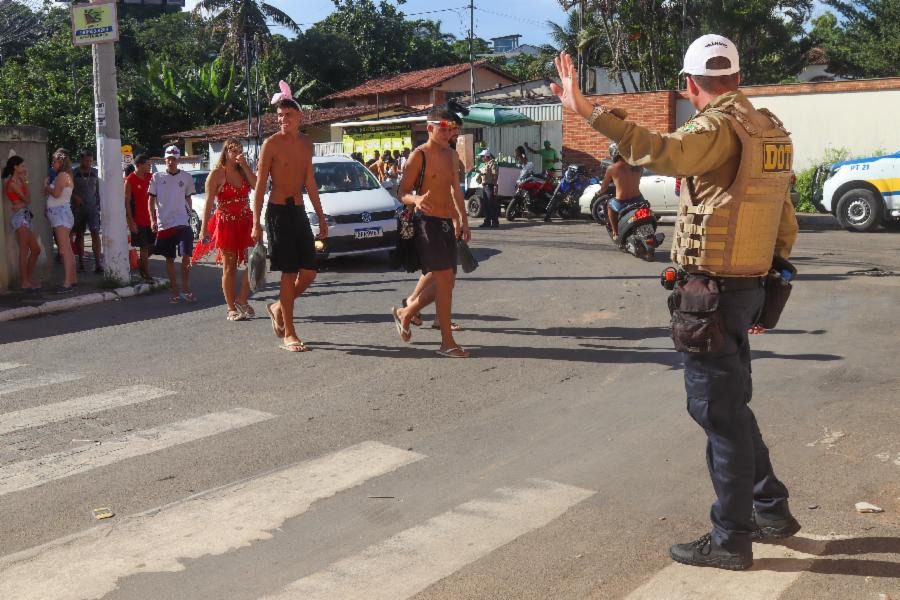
92	289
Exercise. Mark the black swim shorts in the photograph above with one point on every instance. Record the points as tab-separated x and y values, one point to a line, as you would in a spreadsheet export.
291	241
435	243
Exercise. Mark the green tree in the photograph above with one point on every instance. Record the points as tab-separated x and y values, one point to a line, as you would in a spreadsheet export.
243	20
866	42
19	26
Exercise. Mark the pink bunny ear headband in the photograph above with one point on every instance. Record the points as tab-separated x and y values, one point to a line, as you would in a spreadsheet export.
285	95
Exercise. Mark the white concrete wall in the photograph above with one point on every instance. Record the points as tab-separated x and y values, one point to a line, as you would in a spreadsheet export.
861	122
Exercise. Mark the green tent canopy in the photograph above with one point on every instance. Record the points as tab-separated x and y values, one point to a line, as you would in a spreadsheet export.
493	115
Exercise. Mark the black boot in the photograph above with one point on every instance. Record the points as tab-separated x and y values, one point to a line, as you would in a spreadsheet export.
706	553
487	223
777	529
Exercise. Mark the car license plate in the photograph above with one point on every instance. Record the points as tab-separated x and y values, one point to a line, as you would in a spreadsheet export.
369	232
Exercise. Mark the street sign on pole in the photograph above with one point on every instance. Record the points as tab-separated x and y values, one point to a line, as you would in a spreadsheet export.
97	24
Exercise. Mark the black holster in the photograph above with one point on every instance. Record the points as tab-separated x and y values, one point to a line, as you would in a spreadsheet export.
778	291
697	326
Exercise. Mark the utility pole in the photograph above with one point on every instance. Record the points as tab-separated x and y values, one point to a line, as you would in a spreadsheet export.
580	61
471	52
109	157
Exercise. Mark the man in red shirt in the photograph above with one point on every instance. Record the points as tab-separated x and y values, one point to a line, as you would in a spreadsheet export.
137	211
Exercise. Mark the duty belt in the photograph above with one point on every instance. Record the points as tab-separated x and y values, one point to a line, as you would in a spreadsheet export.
735	284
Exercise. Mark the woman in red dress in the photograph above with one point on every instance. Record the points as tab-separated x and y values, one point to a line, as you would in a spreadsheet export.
228	229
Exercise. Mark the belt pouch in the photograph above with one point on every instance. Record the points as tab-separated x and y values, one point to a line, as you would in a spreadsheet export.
697	326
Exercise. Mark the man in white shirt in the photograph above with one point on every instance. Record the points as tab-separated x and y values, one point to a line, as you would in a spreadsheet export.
170	204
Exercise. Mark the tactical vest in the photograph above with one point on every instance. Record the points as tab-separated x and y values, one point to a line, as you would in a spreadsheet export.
733	234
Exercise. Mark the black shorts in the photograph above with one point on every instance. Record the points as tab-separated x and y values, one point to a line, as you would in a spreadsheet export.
81	218
291	243
143	238
181	240
435	243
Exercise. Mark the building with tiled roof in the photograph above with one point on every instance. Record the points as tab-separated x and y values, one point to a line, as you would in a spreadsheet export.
423	88
816	68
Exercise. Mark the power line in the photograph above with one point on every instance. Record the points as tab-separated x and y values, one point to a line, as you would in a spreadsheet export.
514	17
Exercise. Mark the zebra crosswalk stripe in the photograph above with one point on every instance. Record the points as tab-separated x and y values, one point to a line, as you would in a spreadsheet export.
32	473
27	383
412	560
765	581
88	564
62	411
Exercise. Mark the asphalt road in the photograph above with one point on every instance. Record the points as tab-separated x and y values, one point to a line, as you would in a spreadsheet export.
558	462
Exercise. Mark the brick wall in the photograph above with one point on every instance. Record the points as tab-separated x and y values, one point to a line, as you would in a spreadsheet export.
582	145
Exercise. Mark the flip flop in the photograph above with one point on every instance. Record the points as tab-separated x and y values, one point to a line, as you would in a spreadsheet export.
453	326
405	334
294	347
455	352
278	331
188	297
236	315
417	318
174	300
246	309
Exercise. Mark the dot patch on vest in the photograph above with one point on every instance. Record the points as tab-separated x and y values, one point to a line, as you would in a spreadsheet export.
777	158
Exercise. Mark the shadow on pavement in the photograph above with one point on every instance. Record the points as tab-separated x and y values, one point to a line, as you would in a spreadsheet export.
836	566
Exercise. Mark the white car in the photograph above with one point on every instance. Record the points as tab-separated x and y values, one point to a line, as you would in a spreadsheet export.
661	191
862	193
361	214
198	200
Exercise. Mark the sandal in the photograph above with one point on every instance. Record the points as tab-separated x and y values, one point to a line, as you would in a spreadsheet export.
405	334
453	326
246	309
455	352
236	315
294	347
188	297
276	329
174	300
416	318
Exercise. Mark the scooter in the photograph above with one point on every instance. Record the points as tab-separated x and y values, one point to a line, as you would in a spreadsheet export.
564	200
637	229
532	194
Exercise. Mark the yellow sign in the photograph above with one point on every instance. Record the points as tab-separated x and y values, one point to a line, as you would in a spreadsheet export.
777	157
94	23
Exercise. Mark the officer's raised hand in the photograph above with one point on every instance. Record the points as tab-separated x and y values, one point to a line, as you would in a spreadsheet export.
569	93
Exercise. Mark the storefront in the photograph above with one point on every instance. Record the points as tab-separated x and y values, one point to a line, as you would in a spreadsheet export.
384	135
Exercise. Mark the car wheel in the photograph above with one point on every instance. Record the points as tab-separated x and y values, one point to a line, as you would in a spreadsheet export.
598	210
195	224
859	210
473	207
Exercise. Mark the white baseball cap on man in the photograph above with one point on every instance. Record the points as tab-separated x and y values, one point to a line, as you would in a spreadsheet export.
485	152
706	47
173	151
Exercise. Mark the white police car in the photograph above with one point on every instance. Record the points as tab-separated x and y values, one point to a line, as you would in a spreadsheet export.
862	193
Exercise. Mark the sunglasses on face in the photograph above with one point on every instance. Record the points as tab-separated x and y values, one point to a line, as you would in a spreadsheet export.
444	124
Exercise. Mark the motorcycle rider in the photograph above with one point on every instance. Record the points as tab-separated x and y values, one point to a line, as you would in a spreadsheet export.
627	179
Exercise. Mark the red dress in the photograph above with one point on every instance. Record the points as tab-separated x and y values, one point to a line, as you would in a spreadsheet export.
230	226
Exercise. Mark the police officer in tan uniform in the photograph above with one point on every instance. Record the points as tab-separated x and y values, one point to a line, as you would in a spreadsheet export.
735	216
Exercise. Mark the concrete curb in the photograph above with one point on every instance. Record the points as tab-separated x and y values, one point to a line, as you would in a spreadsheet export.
55	306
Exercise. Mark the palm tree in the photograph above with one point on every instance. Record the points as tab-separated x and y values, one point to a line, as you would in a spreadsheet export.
244	20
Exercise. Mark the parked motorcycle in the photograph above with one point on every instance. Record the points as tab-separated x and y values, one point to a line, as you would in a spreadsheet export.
532	195
564	200
637	228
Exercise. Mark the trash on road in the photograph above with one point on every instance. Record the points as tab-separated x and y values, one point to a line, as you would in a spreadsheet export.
865	507
829	439
103	513
813	506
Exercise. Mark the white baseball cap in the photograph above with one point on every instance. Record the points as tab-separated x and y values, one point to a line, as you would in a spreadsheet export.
485	152
172	151
706	47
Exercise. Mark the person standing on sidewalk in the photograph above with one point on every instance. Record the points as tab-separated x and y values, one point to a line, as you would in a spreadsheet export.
735	215
228	230
59	213
549	157
137	213
286	156
491	206
86	206
15	188
170	204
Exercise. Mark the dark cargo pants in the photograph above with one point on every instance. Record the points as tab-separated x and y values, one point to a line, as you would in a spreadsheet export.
719	388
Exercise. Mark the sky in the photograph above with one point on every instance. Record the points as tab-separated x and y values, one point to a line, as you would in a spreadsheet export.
526	17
